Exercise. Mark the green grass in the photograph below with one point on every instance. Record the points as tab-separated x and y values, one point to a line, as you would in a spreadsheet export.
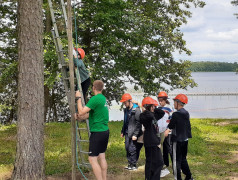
212	151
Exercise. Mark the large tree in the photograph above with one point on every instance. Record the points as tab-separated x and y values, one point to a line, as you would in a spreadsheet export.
125	41
133	41
29	162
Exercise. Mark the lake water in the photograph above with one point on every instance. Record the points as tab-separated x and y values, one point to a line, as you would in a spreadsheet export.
202	106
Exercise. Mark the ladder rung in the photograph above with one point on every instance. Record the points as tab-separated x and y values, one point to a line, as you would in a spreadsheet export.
68	78
83	129
63	36
82	140
62	51
84	152
65	65
85	164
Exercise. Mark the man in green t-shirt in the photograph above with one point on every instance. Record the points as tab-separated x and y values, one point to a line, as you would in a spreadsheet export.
98	124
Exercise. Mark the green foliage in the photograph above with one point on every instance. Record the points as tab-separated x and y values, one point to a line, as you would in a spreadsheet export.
8	61
235	3
125	41
132	41
206	66
210	153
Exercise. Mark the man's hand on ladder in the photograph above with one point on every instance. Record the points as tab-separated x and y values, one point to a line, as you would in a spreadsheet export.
81	118
82	111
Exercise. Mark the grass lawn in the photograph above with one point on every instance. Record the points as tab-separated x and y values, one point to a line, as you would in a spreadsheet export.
212	154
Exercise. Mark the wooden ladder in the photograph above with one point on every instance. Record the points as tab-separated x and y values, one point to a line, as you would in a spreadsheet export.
59	32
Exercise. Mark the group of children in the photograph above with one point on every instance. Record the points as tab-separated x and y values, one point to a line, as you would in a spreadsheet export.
164	132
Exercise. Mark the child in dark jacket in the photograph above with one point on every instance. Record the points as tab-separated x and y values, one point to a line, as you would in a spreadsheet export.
180	124
131	130
154	160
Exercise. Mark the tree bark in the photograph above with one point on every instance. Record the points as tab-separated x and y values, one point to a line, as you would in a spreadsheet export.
29	162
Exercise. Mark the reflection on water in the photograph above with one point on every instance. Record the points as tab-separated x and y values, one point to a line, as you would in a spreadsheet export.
202	106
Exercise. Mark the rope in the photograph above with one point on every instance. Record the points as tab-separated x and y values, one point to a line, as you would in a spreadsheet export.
76	41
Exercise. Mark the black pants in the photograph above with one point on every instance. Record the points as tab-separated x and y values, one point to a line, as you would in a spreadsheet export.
167	150
181	159
154	163
138	148
132	150
85	85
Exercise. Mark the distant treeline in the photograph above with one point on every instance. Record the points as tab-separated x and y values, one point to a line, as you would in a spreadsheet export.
207	66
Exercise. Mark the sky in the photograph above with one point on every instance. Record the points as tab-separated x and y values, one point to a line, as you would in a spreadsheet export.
212	33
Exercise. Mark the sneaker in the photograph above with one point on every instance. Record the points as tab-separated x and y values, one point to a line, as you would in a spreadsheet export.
132	168
127	167
191	178
164	172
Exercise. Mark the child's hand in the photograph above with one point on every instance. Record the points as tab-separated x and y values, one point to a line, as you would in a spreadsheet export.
167	132
134	138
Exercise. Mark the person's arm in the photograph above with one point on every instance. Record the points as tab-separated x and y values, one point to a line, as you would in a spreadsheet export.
81	118
138	124
159	113
171	125
81	110
78	62
123	126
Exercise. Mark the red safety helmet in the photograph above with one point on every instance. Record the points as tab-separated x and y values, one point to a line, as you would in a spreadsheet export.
182	98
81	52
148	101
162	94
125	97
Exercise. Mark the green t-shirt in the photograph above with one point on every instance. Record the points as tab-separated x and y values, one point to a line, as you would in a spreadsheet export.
98	115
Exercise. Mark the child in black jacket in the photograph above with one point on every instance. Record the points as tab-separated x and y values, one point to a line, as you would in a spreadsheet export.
180	124
154	160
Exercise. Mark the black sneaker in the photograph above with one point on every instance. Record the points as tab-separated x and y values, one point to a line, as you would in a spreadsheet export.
132	168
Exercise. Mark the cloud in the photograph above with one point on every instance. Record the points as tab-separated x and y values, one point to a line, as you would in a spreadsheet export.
212	33
231	36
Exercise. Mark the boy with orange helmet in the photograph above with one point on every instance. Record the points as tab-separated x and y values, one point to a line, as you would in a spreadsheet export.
131	130
180	124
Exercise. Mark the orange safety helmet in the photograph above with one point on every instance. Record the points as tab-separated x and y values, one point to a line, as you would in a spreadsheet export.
125	97
81	52
156	102
182	98
162	94
148	101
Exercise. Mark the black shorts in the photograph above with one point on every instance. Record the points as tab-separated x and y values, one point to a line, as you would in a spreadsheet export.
98	142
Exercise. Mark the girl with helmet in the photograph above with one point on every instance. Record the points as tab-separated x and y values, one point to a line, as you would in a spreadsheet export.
180	124
78	56
165	141
154	160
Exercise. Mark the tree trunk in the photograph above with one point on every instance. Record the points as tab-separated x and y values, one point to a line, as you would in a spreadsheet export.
29	162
